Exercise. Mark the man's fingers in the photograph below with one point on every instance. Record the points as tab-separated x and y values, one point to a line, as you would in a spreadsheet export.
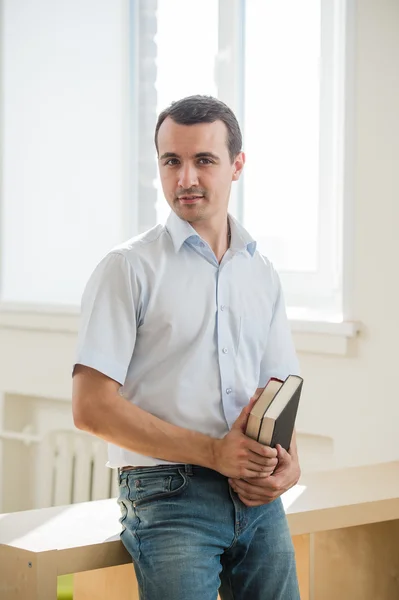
252	402
253	472
252	494
241	419
255	498
268	463
282	453
268	489
253	503
261	450
254	488
257	393
260	469
284	458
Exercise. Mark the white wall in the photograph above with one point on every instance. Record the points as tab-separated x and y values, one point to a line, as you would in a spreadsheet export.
352	398
356	398
64	133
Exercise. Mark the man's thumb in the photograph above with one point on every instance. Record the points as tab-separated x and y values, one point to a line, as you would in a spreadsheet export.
241	421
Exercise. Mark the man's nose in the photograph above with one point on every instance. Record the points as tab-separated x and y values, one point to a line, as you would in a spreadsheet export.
188	176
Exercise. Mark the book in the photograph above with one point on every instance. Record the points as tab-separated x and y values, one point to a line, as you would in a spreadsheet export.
258	410
280	404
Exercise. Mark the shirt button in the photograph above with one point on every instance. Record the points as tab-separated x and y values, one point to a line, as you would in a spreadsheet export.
228	391
225	351
222	307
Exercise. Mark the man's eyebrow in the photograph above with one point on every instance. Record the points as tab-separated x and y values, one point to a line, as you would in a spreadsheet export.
198	155
206	155
168	155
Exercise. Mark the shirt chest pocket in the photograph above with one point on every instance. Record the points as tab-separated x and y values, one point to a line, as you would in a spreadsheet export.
253	332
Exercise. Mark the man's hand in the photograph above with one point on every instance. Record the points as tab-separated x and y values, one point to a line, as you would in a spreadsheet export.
254	492
238	456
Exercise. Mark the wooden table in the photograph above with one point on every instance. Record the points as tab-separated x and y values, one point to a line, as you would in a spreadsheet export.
344	523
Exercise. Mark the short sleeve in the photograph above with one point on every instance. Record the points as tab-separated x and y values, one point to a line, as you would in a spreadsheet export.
279	359
107	331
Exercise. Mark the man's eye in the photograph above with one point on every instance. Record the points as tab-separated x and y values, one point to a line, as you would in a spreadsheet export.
171	162
205	161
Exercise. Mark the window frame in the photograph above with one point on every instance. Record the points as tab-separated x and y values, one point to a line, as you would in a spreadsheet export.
321	292
325	293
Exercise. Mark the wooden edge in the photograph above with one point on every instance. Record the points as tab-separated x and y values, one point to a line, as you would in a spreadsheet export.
343	516
88	558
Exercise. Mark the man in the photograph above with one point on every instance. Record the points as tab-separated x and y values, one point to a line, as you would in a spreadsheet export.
179	327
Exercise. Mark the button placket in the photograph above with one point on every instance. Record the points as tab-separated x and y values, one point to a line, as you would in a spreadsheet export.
225	341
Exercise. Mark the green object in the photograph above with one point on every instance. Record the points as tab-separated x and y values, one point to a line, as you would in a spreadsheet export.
65	587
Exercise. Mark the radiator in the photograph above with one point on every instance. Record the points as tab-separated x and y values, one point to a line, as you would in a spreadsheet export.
70	467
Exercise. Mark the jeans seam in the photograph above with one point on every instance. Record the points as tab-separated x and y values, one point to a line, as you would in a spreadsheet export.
235	538
135	532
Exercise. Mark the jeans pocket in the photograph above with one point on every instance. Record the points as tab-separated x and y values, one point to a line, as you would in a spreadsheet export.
147	487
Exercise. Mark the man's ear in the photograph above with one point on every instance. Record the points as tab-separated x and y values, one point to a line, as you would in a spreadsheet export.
238	165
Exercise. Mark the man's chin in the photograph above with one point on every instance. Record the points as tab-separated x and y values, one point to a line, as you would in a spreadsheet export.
189	212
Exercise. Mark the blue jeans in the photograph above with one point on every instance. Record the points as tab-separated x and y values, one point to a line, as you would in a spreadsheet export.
190	536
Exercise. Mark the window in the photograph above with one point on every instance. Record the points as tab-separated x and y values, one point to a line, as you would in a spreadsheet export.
281	128
279	65
79	160
63	137
292	118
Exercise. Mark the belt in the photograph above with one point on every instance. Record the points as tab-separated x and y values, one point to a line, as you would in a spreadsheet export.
187	468
122	469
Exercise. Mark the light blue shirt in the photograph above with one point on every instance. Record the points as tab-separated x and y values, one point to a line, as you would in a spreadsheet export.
188	339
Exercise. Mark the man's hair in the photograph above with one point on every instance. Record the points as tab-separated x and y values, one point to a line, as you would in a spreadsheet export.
204	109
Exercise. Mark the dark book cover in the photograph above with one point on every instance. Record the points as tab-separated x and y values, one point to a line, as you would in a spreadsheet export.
285	422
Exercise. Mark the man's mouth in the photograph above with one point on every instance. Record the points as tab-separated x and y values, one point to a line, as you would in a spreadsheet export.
191	199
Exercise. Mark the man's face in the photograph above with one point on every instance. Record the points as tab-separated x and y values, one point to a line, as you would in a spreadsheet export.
195	168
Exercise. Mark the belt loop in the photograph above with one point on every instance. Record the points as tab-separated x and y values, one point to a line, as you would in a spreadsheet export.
188	469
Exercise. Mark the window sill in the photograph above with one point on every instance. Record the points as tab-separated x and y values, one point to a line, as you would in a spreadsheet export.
39	317
323	337
310	336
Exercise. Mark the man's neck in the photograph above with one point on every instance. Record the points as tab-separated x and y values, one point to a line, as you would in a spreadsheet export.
218	236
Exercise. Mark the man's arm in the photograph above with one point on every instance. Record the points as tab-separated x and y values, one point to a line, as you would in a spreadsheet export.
99	409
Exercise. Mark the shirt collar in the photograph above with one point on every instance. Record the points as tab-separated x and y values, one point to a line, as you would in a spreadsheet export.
240	238
180	231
